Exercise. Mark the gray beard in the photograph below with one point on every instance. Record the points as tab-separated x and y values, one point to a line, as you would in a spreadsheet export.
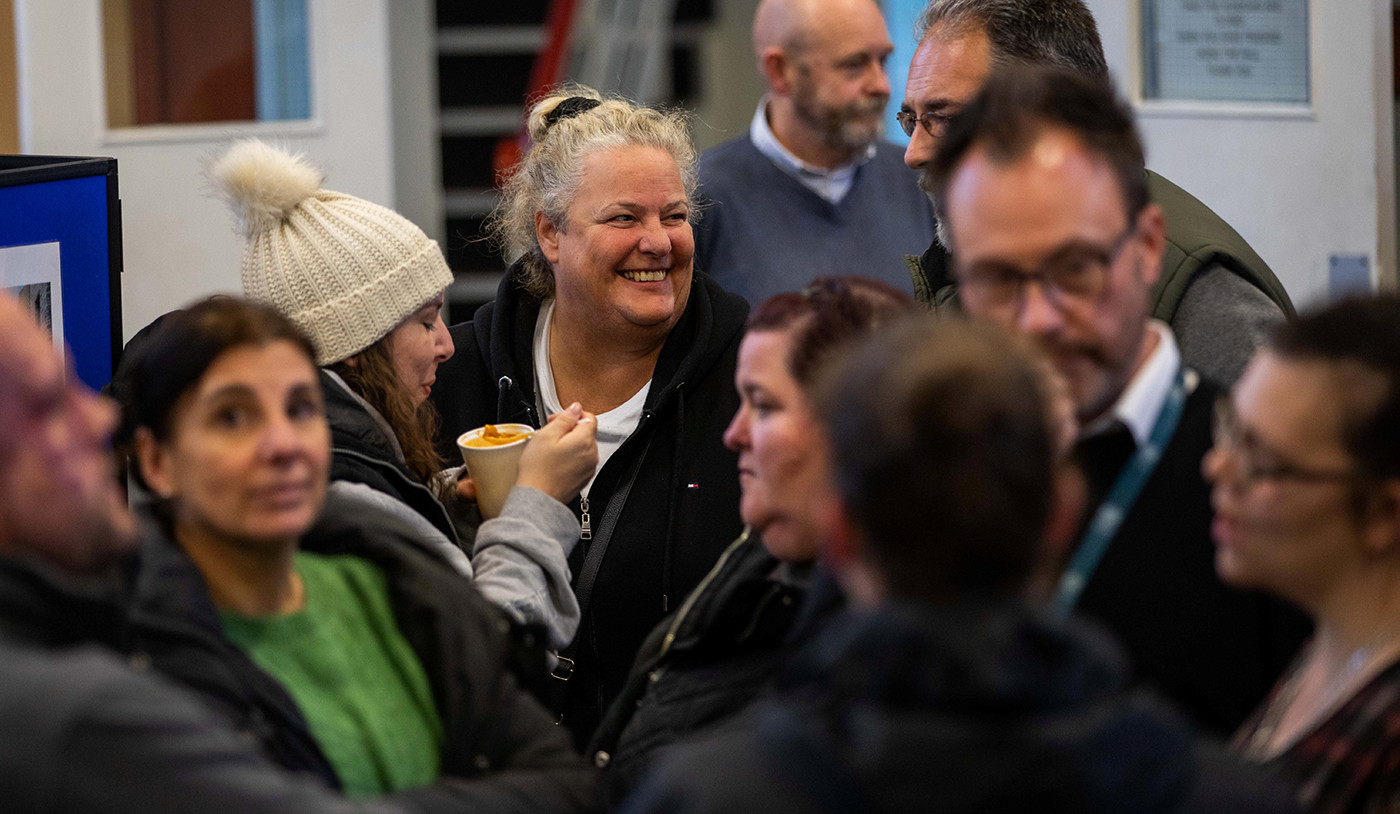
940	228
851	129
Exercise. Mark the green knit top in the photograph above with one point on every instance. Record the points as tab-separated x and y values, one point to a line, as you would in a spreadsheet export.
355	678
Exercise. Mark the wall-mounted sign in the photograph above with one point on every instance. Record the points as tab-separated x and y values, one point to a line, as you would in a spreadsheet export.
1226	50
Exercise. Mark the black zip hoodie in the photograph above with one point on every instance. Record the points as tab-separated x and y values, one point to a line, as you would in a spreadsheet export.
683	508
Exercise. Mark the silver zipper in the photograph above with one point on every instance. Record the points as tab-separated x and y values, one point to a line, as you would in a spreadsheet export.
700	589
585	525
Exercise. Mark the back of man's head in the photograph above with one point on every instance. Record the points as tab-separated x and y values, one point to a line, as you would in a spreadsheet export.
1036	32
1018	103
943	455
790	25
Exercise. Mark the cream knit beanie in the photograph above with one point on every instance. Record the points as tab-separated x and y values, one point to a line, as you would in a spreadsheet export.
345	270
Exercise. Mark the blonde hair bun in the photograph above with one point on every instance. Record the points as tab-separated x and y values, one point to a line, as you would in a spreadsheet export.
565	128
537	122
263	184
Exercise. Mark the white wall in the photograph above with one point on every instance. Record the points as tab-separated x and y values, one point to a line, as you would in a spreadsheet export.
413	85
179	240
1297	189
729	78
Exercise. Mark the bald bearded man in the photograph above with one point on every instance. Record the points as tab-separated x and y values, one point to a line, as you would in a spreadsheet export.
811	189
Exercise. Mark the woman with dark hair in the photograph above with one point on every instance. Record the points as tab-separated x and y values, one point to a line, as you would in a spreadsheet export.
345	645
367	287
1306	492
718	651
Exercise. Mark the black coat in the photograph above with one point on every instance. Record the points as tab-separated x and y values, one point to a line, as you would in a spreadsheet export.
965	709
85	731
502	749
1212	649
683	509
361	452
711	658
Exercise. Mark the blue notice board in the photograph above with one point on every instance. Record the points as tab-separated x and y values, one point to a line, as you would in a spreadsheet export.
60	253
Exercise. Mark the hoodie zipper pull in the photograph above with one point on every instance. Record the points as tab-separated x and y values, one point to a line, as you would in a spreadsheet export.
585	531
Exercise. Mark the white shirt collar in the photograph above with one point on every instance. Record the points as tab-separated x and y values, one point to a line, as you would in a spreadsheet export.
832	184
1142	400
613	427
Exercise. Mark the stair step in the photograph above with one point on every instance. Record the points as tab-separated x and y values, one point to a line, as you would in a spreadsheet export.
469	203
496	120
490	39
470	291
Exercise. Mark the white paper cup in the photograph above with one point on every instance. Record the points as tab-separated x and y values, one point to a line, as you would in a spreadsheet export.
494	469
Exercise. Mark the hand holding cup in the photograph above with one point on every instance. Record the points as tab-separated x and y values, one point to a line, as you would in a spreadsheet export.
493	465
563	455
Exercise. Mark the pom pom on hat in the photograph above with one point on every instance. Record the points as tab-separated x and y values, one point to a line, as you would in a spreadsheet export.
264	184
345	270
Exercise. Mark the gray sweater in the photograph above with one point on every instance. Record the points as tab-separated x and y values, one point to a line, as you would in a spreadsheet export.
764	233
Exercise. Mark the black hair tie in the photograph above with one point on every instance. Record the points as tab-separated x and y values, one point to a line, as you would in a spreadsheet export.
568	109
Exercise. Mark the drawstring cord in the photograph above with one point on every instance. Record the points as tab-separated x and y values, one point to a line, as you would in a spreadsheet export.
506	391
674	486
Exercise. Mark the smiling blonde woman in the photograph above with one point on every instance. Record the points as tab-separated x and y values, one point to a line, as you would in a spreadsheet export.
603	306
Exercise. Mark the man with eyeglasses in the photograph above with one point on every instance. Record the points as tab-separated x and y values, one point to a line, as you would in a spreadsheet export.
811	189
1220	298
1040	179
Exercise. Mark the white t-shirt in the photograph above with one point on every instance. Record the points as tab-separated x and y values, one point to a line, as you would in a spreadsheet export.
613	426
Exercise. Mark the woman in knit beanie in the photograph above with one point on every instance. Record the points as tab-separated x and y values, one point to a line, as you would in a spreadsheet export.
367	286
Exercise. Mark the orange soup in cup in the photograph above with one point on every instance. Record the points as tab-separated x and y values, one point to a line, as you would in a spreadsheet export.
492	436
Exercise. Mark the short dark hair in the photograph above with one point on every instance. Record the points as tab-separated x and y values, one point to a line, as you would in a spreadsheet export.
1035	32
182	348
942	451
1364	331
827	315
1017	104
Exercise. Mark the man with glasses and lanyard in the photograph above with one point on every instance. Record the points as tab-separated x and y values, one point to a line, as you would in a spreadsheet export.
1220	298
1041	185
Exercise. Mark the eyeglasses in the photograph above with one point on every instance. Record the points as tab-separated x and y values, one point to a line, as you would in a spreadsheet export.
934	123
1069	277
1230	435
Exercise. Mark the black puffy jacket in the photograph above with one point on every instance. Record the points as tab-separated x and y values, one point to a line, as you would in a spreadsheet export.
967	708
502	748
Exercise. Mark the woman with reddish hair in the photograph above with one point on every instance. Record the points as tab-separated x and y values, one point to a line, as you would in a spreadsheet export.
720	649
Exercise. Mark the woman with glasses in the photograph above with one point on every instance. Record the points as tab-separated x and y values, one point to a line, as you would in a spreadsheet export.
1306	473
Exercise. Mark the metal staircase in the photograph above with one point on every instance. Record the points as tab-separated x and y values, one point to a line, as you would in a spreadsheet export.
486	51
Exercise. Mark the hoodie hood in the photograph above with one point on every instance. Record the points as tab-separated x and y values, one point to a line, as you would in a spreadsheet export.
1001	709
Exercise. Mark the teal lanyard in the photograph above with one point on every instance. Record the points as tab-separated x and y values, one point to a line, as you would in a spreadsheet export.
1115	507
